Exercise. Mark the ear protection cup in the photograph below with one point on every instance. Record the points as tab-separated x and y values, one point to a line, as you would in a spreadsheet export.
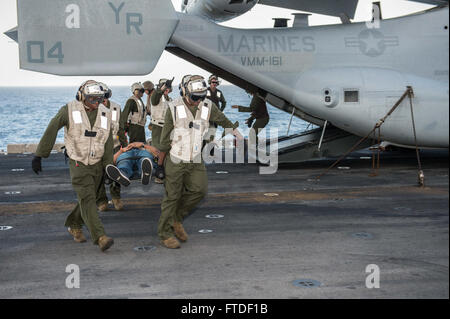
183	84
182	90
79	95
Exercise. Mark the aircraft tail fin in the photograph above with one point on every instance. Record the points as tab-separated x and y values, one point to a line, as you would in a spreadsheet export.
79	37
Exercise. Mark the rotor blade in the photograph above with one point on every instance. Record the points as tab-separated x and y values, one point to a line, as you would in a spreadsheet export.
79	37
435	2
328	7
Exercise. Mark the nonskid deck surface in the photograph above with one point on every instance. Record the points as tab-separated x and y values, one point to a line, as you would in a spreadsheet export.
275	230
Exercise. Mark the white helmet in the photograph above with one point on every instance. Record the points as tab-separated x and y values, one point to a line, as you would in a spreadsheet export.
91	89
213	78
137	86
195	87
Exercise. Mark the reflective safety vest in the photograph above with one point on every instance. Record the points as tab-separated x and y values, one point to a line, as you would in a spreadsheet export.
84	143
189	132
115	118
159	111
139	117
219	94
214	98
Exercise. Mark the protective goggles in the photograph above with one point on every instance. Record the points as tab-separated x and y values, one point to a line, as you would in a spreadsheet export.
196	98
92	99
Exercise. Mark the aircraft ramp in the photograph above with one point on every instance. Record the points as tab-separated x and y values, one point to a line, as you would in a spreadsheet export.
301	147
310	145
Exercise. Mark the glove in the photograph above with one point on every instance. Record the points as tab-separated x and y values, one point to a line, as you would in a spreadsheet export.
36	164
249	121
159	172
169	83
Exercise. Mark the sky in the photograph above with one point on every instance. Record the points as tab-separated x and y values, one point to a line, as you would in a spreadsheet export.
168	65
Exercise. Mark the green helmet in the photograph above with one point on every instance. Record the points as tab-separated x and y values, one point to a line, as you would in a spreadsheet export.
148	85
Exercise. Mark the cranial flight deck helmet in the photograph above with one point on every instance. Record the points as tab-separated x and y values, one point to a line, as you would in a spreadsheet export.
195	87
166	82
148	85
213	78
137	86
90	91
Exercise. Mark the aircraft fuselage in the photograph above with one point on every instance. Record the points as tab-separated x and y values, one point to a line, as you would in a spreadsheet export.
350	75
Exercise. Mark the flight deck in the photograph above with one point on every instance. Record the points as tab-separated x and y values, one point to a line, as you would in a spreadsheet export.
283	235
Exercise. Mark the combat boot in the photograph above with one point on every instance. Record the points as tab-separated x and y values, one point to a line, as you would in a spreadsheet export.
104	242
117	203
102	207
171	243
77	235
180	232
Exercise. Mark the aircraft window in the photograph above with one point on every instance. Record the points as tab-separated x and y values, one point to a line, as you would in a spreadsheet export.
351	96
235	1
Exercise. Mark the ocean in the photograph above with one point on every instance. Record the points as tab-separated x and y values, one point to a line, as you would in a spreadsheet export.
26	111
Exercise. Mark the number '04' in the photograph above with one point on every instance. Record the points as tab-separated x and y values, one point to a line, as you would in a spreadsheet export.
36	49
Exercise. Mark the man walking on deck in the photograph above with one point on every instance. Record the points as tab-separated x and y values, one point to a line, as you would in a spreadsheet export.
89	146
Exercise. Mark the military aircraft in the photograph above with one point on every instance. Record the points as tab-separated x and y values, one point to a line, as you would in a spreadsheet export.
223	10
344	78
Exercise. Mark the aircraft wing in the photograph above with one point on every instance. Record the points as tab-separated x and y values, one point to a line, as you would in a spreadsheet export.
79	37
328	7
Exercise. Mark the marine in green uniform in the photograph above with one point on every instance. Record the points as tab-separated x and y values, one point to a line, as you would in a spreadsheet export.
149	89
216	96
89	146
114	187
133	117
259	114
159	103
185	127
